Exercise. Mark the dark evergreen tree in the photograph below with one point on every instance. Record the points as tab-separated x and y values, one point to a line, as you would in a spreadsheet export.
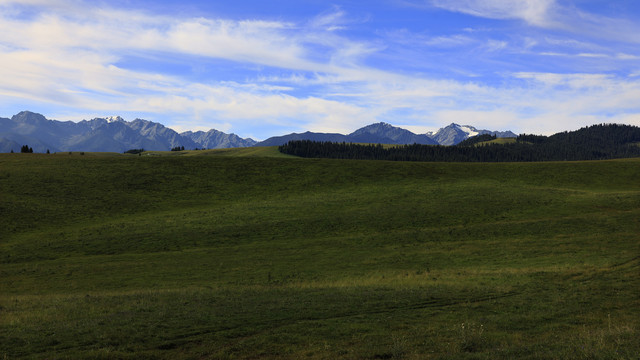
134	151
477	139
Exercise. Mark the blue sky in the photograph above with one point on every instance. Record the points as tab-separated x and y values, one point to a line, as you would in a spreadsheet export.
265	68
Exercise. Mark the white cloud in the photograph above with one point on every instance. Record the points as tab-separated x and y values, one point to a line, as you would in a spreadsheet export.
599	26
570	43
330	21
623	56
575	81
631	119
570	101
448	41
495	45
499	119
535	12
106	30
593	55
247	41
549	14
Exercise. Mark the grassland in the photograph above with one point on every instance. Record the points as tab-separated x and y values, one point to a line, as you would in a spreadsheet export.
223	256
498	141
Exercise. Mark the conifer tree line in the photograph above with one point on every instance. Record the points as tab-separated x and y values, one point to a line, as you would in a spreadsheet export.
26	149
597	142
134	151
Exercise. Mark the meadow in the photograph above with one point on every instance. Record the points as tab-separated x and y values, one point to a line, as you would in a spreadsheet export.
250	254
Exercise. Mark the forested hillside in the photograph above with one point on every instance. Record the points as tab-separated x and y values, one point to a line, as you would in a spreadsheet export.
597	142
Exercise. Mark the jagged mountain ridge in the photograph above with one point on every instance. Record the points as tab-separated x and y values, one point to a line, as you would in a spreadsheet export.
379	133
214	139
108	134
454	134
383	133
114	134
313	136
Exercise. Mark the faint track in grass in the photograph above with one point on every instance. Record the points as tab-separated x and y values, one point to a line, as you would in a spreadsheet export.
265	328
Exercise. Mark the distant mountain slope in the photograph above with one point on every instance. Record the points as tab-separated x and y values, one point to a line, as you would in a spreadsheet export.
9	145
117	135
214	139
27	128
279	140
379	133
110	134
383	133
454	133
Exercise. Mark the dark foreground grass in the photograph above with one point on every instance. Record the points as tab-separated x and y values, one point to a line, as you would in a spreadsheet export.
258	257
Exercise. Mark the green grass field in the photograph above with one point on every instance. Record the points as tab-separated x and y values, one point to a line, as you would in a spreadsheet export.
247	254
498	141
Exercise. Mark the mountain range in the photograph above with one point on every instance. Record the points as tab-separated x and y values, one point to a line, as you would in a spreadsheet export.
114	134
110	134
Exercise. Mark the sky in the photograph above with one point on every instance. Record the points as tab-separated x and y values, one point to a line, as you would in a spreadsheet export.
265	68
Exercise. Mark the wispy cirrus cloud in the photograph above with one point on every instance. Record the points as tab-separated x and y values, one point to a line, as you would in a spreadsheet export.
535	12
550	14
333	20
107	31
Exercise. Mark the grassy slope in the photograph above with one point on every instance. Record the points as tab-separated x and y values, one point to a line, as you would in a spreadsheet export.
499	141
252	256
258	151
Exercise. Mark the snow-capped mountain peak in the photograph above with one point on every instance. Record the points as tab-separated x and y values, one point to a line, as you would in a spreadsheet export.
455	133
114	119
470	130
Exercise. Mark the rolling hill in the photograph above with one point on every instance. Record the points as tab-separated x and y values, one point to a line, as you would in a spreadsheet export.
203	254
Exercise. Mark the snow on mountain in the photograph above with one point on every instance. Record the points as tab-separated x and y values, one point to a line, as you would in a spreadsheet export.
454	133
470	130
114	119
113	133
109	134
